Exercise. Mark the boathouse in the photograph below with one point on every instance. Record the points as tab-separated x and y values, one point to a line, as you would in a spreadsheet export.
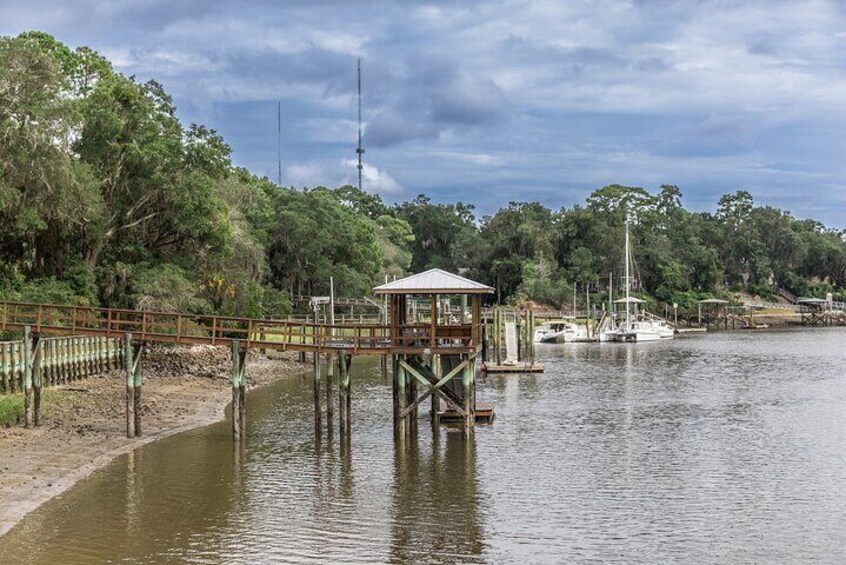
437	351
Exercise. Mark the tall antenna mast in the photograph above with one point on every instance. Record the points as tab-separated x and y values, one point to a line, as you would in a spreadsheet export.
279	140
360	149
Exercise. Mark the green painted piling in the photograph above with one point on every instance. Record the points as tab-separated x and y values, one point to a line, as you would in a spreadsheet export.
239	389
130	386
343	393
137	382
7	365
400	398
330	391
37	377
469	390
436	401
236	393
315	383
27	376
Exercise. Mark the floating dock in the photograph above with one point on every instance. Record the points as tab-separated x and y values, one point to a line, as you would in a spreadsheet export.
484	414
516	368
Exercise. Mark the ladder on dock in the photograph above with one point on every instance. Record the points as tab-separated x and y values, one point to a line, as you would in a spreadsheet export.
511	348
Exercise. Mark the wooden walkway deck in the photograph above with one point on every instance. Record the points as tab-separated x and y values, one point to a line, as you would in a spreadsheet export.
184	328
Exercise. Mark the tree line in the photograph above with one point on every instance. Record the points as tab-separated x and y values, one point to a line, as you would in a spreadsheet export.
107	199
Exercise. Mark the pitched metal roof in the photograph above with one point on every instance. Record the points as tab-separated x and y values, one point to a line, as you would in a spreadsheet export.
630	300
713	301
433	281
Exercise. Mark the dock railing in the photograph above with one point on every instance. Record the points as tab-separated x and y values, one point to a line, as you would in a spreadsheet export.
184	328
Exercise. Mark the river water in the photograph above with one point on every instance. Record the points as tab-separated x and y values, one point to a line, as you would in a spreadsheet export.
724	448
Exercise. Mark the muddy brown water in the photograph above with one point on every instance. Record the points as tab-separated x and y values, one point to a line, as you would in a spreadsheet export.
725	448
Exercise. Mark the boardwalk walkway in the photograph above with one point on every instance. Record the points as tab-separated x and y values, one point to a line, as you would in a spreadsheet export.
184	328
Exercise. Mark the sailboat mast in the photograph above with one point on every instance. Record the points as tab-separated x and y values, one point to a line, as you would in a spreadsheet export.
611	292
628	280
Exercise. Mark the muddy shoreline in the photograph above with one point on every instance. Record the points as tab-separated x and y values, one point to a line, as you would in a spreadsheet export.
84	422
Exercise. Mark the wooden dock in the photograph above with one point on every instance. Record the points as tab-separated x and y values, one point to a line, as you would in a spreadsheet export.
437	355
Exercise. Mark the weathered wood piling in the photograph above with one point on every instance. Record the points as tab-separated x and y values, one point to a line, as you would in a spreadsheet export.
133	351
239	391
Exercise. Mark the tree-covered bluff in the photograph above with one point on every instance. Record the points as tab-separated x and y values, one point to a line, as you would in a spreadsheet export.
106	198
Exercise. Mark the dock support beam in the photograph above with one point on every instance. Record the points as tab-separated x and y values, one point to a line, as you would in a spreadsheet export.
132	364
239	391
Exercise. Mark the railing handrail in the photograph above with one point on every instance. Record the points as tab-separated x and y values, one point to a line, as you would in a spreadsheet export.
170	327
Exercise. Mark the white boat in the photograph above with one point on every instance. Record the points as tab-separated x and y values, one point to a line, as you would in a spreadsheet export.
559	332
635	326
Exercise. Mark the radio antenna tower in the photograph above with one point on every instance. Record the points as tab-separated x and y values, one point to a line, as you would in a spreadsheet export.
360	149
279	140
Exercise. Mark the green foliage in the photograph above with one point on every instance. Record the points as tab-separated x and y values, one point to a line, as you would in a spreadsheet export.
164	288
51	291
106	198
444	234
317	237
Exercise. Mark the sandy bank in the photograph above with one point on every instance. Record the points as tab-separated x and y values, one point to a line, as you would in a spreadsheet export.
84	423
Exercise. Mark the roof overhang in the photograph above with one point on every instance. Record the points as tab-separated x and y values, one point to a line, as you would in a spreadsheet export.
433	281
630	300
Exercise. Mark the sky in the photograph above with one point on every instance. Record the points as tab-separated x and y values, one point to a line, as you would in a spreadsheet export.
507	100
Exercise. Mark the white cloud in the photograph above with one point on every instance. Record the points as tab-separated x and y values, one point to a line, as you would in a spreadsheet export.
372	178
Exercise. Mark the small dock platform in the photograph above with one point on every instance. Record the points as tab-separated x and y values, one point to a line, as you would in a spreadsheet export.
691	330
484	414
516	368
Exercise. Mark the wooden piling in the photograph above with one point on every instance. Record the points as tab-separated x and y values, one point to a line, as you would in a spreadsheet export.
239	391
400	397
330	391
27	376
316	387
411	389
469	390
137	381
15	383
37	375
344	400
436	402
7	365
132	367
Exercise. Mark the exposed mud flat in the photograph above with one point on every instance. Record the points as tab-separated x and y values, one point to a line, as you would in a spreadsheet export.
84	422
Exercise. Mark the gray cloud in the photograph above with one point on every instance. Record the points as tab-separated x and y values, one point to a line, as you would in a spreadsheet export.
436	95
710	95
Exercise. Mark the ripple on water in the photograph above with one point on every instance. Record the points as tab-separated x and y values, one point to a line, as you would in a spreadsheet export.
726	448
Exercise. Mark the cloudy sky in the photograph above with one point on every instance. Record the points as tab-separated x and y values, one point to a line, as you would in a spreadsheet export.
489	102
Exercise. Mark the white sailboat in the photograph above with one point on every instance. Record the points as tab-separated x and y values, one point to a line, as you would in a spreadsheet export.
636	326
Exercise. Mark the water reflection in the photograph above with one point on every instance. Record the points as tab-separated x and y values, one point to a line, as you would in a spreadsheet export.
724	449
436	510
